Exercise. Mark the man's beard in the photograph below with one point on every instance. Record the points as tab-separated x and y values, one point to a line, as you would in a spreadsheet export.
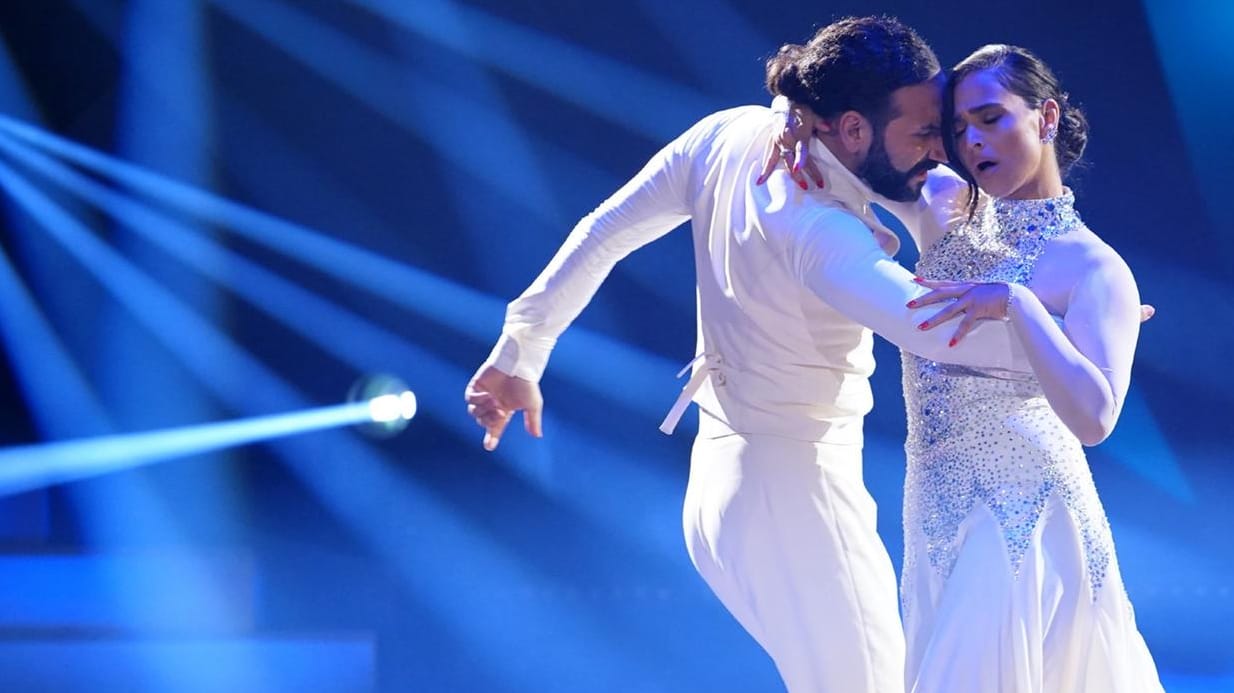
885	179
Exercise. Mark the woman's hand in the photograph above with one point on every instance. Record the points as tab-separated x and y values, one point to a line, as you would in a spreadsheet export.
792	146
977	301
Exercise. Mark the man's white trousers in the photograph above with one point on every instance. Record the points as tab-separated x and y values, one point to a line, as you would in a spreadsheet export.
784	533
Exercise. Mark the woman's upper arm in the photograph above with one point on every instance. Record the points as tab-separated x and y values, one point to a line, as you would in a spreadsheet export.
1103	318
946	196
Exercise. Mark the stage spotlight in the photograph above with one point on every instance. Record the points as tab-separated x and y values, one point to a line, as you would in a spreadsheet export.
390	404
379	405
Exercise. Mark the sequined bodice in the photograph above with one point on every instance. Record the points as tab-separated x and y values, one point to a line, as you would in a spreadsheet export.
978	436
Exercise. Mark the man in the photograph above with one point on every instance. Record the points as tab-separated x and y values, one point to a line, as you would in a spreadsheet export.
777	519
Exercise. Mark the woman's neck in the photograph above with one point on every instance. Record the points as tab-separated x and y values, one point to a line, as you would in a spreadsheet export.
1047	183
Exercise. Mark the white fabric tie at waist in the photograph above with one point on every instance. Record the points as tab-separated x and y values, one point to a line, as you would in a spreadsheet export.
687	393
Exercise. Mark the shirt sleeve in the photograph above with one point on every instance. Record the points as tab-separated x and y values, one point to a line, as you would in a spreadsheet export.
833	254
648	206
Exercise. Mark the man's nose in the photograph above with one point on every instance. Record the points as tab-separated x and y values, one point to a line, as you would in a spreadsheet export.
937	151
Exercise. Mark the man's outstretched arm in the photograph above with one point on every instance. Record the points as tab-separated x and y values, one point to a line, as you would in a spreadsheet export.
647	207
835	256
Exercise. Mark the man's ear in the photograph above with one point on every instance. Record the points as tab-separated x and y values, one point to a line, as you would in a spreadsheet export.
855	131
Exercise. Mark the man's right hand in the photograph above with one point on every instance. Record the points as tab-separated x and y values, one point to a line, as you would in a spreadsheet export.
492	399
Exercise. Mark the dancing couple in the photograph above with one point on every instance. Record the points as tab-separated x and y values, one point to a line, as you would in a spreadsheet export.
1017	333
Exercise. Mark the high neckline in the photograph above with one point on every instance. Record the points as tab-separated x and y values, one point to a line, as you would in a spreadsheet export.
1050	216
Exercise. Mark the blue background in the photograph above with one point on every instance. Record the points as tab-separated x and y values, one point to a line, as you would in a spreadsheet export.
294	194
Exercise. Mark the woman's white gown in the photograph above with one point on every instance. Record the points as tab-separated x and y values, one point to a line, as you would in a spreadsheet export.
1010	581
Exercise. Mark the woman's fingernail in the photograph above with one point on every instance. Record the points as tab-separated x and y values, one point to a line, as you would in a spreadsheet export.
923	325
760	180
819	183
918	279
952	342
912	304
803	185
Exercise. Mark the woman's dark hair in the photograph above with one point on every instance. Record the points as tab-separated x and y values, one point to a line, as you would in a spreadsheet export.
1024	74
853	64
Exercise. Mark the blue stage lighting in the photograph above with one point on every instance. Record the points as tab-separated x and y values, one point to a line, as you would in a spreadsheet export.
438	299
637	100
390	404
380	405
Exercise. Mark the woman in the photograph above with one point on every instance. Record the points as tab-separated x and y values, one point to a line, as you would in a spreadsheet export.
1010	581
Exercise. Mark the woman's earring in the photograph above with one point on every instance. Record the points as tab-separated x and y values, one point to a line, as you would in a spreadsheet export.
1050	133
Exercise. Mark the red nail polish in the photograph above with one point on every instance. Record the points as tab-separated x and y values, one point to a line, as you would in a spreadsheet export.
923	325
951	343
803	185
819	183
912	304
918	279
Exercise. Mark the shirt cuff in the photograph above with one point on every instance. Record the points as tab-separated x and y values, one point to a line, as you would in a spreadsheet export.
526	359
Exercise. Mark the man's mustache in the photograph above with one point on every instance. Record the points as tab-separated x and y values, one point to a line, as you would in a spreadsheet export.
922	167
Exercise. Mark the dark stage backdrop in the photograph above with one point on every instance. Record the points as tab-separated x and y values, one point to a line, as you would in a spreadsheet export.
325	188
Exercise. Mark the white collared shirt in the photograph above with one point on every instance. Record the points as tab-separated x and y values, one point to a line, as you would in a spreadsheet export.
789	283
